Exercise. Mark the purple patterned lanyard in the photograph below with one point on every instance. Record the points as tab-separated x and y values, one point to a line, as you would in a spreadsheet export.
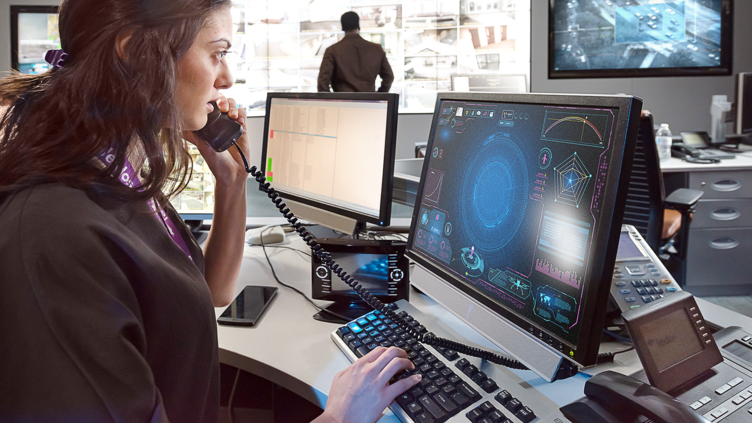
128	177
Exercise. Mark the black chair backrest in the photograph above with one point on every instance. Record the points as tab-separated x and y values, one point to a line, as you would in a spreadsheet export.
644	209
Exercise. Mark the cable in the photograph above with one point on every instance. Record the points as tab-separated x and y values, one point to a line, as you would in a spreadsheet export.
287	248
427	338
263	246
609	356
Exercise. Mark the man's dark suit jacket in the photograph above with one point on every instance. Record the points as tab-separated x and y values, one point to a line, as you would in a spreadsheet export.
352	64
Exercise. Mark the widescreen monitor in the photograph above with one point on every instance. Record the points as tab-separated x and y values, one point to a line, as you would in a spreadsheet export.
614	38
518	214
33	31
743	118
331	155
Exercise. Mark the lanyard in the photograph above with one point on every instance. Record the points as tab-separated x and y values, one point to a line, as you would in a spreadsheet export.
128	177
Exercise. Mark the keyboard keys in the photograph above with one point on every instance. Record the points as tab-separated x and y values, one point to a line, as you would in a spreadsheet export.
467	391
479	377
462	363
451	355
446	404
430	406
513	405
503	397
475	415
413	409
525	414
470	370
460	399
489	385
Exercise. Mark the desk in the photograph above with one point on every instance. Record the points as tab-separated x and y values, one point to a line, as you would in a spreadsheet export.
720	238
290	349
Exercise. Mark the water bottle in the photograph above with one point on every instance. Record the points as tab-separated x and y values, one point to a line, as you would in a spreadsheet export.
663	140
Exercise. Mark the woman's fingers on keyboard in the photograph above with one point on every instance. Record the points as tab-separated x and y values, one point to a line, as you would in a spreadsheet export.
390	354
373	355
395	366
402	385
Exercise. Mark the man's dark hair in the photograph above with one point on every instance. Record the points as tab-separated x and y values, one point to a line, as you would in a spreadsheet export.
350	21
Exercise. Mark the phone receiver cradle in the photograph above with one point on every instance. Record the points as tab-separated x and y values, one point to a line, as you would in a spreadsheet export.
220	131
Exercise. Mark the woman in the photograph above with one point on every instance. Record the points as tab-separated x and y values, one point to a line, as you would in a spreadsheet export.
107	301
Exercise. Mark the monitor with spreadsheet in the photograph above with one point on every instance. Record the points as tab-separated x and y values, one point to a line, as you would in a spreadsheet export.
517	218
331	155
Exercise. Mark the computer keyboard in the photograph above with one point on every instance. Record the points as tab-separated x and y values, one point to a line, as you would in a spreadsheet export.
453	388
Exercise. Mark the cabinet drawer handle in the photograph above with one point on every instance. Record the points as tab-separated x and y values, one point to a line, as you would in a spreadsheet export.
725	243
726	185
728	213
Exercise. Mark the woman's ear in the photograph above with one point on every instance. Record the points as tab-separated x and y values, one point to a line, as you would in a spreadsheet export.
122	42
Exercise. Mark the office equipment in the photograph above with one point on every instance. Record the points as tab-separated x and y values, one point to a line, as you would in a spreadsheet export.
639	276
720	116
331	155
611	39
658	218
33	31
220	131
517	194
743	118
380	266
489	82
453	389
672	340
269	235
248	306
722	393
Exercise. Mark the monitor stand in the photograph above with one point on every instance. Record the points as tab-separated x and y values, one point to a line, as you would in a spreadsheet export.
352	310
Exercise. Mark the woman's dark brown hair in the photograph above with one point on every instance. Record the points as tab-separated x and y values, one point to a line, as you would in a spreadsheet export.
57	122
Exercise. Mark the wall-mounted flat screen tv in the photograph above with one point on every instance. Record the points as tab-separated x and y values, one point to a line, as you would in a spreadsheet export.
635	38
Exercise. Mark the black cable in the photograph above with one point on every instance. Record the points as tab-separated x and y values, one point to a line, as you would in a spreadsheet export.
609	356
274	273
427	338
299	251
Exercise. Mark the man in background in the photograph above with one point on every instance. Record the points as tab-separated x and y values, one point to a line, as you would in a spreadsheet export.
351	65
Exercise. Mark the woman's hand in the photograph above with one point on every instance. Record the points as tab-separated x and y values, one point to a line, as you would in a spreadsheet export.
361	392
227	166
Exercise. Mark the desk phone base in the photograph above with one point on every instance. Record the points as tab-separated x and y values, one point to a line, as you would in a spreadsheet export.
454	388
639	276
725	394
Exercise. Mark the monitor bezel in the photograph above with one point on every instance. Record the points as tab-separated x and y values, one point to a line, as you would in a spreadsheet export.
743	82
385	206
585	352
725	68
14	12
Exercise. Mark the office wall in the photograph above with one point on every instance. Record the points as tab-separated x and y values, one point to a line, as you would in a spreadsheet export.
682	102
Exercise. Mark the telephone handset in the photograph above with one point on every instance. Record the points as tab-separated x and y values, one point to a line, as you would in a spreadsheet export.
220	131
691	154
615	398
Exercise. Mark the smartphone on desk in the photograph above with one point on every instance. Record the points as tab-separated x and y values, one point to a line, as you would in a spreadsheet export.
248	306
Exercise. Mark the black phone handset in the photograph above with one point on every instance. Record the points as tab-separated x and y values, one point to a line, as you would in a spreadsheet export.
689	155
614	398
220	131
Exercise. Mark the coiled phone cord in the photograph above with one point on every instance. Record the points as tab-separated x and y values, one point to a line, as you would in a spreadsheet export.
566	370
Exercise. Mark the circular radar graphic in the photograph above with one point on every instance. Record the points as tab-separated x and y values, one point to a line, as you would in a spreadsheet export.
494	194
472	261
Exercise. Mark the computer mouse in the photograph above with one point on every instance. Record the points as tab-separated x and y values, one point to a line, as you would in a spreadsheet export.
270	235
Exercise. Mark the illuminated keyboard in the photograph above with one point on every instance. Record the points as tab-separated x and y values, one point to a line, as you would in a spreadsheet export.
453	388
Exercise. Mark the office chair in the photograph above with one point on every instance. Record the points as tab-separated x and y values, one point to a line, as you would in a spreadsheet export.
662	221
